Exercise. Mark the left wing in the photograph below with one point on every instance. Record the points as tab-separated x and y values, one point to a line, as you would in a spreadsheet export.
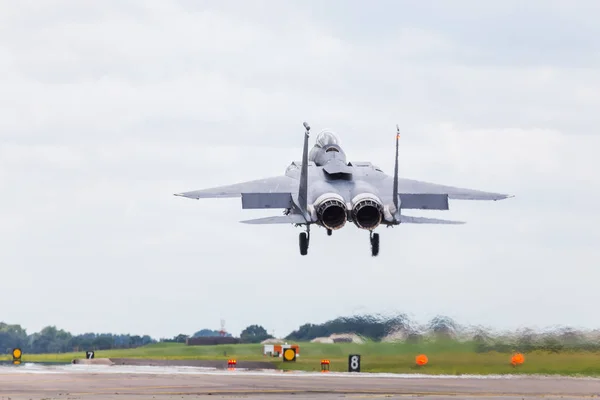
277	184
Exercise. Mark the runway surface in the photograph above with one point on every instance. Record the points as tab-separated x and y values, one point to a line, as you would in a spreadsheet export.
136	383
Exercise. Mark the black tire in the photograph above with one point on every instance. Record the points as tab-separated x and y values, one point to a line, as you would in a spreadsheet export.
375	245
329	232
303	243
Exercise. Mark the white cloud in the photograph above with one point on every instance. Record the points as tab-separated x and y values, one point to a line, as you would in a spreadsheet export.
106	111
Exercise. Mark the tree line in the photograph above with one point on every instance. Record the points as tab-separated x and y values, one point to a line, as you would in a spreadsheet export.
370	327
53	340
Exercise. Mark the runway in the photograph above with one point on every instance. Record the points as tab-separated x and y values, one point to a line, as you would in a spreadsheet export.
161	383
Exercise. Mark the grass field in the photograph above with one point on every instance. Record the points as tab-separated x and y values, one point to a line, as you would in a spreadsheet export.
444	358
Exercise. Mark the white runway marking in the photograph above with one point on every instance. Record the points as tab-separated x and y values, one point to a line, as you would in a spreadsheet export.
32	368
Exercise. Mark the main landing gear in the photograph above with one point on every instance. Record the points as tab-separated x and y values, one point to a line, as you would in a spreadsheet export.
374	244
304	240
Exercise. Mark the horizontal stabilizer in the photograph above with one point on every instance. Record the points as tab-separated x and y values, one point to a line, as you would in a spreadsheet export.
406	219
280	219
266	200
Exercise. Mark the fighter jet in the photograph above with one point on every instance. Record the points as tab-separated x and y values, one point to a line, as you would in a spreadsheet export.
327	191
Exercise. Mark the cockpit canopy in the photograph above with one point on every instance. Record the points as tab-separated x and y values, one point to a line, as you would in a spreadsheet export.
325	139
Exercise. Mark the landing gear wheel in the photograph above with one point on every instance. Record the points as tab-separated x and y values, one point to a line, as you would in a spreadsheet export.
303	243
374	244
329	232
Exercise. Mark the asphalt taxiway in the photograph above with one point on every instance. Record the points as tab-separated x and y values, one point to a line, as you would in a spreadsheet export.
137	383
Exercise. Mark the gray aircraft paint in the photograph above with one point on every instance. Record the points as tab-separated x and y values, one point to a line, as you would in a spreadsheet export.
326	182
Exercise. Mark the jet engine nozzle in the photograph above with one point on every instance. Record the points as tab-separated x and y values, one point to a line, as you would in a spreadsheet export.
367	211
331	211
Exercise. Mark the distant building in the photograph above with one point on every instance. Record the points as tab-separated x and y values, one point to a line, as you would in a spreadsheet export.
273	341
340	338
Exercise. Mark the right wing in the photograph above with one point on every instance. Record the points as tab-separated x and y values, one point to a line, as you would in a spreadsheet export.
454	193
277	184
429	196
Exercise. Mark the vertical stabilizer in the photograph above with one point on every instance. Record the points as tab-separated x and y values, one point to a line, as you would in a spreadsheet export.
395	191
303	190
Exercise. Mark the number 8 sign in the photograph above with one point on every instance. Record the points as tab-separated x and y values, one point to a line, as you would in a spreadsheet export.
354	363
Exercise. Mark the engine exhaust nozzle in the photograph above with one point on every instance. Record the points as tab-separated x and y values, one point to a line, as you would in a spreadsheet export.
367	213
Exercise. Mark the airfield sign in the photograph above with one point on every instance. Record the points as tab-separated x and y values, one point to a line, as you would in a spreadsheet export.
354	363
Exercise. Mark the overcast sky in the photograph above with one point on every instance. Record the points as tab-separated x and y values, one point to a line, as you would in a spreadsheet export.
109	108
